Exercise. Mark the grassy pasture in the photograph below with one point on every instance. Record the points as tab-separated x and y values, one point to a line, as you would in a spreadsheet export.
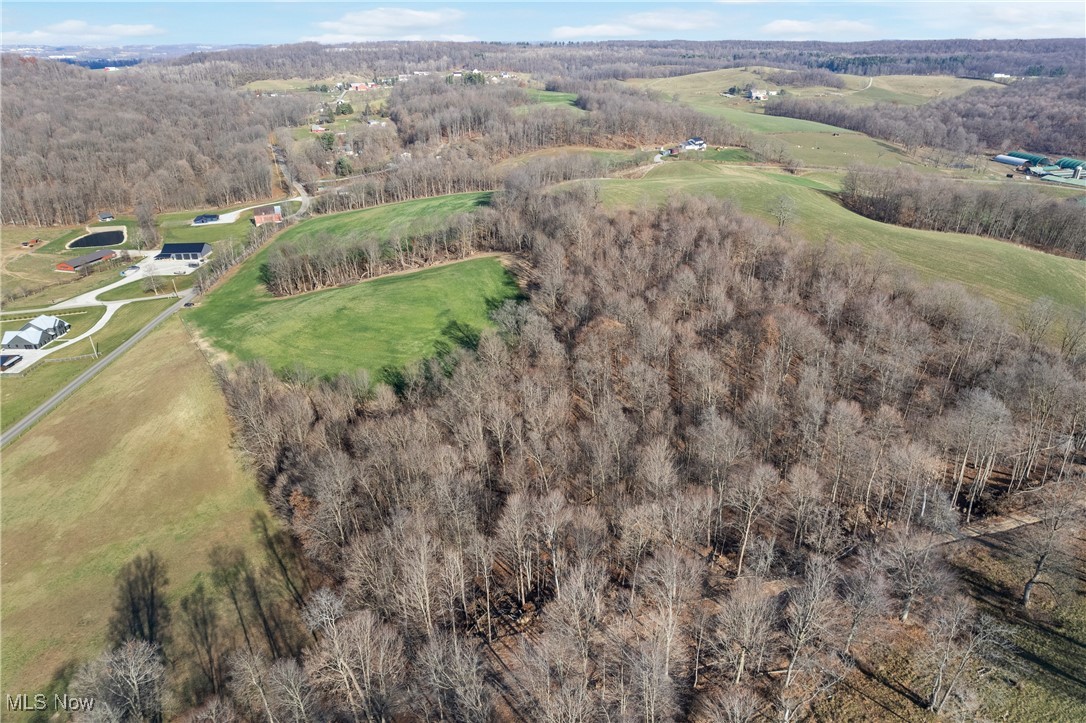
381	323
120	468
20	394
843	150
701	91
134	290
418	216
551	97
178	228
1011	275
384	323
36	268
610	157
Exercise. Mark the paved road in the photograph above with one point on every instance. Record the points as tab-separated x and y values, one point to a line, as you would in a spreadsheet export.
26	422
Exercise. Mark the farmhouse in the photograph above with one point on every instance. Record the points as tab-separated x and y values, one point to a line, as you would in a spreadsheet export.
81	262
36	333
183	252
267	214
694	144
105	216
358	87
25	339
50	325
756	94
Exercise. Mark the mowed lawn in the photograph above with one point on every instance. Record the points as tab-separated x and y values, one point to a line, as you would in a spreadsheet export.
1011	275
380	324
139	459
418	216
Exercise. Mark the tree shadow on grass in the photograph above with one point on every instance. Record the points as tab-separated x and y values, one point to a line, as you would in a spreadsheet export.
58	685
460	334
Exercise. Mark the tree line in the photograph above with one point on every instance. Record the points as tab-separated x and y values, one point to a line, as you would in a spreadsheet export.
702	474
1043	116
618	116
622	59
1009	212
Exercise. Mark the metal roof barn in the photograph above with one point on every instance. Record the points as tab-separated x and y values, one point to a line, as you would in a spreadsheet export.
1031	157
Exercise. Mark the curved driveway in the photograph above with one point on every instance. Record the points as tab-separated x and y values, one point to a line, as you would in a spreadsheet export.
42	409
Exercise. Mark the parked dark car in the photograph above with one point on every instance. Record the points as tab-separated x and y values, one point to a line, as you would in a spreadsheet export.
205	218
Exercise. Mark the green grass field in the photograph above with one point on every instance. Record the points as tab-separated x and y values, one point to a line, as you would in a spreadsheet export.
178	228
418	216
80	319
380	324
128	464
812	143
1011	275
550	99
20	394
135	290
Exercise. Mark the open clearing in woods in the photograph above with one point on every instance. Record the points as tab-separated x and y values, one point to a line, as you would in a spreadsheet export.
379	324
406	217
139	459
1011	275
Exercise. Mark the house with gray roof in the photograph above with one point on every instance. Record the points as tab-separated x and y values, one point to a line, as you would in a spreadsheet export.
36	333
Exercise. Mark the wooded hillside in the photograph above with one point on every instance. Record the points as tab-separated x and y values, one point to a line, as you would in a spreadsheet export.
703	474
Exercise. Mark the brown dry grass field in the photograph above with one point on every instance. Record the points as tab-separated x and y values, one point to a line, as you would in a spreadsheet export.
139	459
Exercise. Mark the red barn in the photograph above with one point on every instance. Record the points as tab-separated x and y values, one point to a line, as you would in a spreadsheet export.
267	214
81	262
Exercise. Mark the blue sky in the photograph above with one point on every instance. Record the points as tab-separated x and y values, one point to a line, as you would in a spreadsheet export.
161	23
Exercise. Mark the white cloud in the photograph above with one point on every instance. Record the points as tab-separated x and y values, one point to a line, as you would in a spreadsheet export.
820	29
671	20
603	30
80	32
1036	20
636	24
390	24
998	20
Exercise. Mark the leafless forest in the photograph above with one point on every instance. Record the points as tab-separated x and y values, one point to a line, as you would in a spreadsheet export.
1042	115
76	142
622	59
702	470
1010	212
703	473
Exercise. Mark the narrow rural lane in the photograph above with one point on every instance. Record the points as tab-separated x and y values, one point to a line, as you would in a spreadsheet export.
26	422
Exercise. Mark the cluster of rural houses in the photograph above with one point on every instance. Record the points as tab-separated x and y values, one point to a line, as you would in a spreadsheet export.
36	333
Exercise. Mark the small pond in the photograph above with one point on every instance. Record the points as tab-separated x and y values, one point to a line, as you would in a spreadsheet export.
97	239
